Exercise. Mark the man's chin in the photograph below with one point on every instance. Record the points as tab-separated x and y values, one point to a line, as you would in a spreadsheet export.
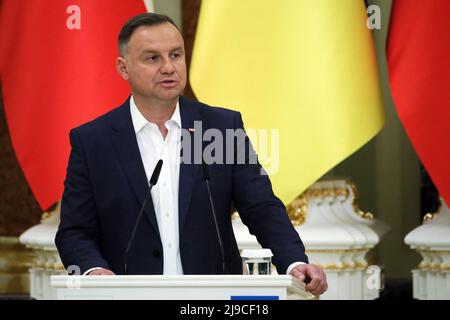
163	97
170	95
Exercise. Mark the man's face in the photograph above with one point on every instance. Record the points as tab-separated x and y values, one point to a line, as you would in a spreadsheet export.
154	63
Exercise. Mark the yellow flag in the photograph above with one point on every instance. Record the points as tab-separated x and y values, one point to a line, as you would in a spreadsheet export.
305	68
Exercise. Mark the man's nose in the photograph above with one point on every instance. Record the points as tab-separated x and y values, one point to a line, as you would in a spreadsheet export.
167	66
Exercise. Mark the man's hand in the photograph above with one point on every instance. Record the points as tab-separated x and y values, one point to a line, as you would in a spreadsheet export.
313	276
101	272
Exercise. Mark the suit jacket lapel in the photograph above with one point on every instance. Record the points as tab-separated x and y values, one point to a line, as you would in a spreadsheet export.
125	143
188	172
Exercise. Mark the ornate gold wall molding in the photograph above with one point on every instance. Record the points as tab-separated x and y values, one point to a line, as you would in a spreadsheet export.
362	214
297	210
47	260
431	215
433	261
15	260
348	266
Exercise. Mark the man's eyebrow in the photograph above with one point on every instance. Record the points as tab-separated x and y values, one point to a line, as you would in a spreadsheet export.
157	52
149	51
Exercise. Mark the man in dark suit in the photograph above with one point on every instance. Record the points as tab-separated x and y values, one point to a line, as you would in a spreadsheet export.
112	159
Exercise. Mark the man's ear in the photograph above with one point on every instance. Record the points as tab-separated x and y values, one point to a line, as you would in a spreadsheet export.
122	68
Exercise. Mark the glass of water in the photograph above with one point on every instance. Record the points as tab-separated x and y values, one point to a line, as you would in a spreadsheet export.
257	261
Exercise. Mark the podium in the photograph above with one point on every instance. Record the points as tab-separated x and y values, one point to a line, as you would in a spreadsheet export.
176	287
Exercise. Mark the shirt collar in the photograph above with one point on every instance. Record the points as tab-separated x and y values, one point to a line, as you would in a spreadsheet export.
139	120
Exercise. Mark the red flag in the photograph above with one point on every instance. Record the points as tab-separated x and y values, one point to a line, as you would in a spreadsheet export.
418	55
57	65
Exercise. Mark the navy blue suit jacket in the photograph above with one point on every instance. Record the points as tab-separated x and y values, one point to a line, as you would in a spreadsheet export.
106	184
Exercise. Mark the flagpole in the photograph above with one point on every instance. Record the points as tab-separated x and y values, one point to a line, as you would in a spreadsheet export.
149	5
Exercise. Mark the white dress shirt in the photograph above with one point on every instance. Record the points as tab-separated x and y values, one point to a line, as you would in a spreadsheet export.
153	147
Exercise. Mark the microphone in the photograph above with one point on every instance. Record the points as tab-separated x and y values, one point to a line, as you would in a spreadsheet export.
206	177
153	181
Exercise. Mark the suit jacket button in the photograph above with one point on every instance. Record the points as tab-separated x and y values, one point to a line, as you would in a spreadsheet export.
156	253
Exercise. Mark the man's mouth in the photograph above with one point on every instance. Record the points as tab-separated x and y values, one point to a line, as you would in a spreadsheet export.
169	83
